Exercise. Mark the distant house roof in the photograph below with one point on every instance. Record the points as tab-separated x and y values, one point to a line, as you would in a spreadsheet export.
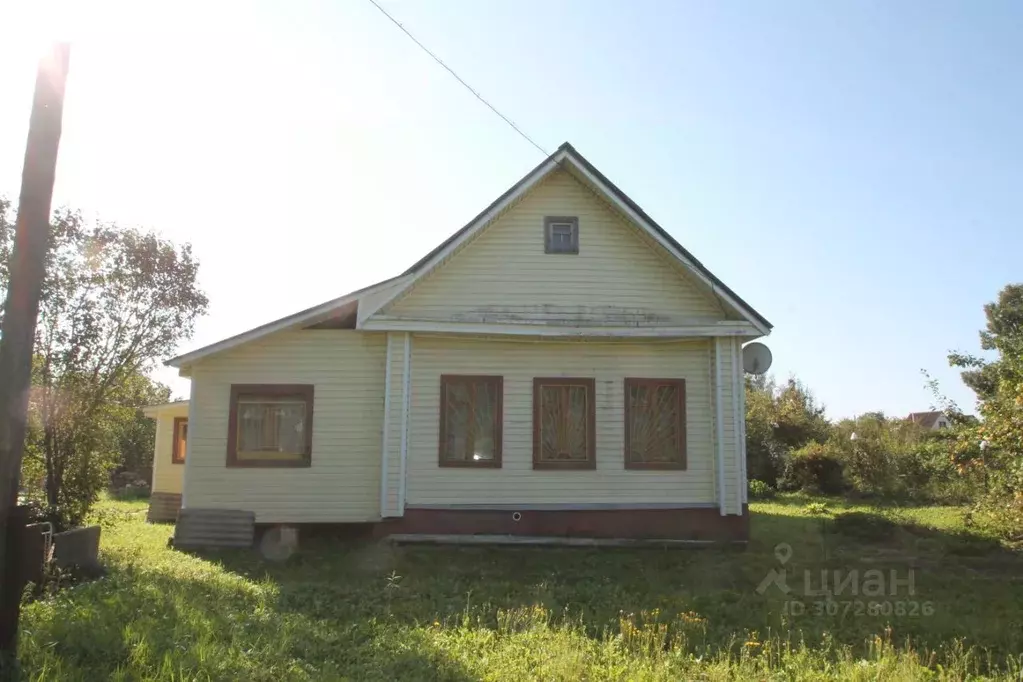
925	419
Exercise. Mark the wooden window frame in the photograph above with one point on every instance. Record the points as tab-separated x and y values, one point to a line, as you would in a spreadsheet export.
498	381
548	235
177	443
304	391
591	424
682	463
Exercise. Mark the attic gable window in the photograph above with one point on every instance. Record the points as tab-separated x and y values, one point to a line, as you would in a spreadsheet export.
561	234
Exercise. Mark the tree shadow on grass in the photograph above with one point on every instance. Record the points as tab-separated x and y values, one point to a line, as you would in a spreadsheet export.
595	589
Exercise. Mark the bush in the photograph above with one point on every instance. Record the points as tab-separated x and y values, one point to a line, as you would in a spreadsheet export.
814	468
758	490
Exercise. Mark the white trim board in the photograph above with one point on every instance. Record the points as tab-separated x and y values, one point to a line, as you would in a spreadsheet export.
299	319
382	323
566	158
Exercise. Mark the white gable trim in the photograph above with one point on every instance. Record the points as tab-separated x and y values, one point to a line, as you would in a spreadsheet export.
482	221
564	156
299	319
722	328
659	238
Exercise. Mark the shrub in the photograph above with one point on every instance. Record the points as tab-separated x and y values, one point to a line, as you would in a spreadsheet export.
758	490
814	468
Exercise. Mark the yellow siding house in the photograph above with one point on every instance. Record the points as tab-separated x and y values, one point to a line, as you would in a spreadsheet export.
558	366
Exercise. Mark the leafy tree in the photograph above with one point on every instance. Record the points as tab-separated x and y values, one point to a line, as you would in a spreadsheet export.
137	435
779	420
114	300
1001	409
1004	324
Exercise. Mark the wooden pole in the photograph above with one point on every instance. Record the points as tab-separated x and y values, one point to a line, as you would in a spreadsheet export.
27	267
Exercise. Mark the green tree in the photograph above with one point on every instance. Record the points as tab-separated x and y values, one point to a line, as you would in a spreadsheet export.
778	421
114	300
1004	325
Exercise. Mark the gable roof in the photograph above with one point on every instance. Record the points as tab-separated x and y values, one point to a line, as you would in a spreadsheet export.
925	419
567	158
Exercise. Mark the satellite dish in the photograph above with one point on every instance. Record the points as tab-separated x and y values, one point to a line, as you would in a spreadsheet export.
756	358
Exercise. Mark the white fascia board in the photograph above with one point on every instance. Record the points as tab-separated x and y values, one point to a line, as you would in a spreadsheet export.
539	174
739	329
563	157
655	234
372	301
155	410
304	317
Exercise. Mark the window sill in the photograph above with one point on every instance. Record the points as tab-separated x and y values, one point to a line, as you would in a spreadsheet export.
655	466
461	464
270	463
565	466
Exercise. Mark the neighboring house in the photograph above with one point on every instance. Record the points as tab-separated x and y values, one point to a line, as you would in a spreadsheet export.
168	458
559	366
930	420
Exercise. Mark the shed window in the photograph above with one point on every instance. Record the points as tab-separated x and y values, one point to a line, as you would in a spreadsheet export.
180	440
561	234
270	425
470	421
564	424
655	424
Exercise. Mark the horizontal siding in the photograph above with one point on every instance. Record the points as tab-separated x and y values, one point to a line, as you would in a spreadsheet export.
519	362
343	483
618	278
167	475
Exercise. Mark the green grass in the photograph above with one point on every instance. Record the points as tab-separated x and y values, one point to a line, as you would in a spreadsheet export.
370	612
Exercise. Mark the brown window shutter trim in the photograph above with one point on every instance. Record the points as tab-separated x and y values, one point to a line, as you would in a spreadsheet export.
681	462
304	391
498	383
177	444
591	424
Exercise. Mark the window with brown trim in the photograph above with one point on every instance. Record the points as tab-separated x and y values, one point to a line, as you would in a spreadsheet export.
655	424
179	440
564	424
470	421
561	234
270	425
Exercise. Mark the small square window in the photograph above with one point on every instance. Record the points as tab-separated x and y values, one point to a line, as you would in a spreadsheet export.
561	234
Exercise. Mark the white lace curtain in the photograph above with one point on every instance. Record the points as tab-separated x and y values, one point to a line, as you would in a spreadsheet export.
271	427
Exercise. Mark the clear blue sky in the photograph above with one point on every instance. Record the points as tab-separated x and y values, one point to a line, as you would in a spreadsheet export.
854	170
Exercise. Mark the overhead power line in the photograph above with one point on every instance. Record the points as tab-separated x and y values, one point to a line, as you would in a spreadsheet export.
468	87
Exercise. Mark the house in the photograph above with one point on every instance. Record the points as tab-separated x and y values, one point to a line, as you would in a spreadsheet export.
559	366
932	421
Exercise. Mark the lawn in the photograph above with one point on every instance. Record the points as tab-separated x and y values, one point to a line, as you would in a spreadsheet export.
338	610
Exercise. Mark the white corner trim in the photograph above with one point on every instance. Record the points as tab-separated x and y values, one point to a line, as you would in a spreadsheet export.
188	444
723	328
742	427
406	383
719	426
386	428
737	391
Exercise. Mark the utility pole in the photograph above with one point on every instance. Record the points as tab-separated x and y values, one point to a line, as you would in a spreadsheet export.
27	268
